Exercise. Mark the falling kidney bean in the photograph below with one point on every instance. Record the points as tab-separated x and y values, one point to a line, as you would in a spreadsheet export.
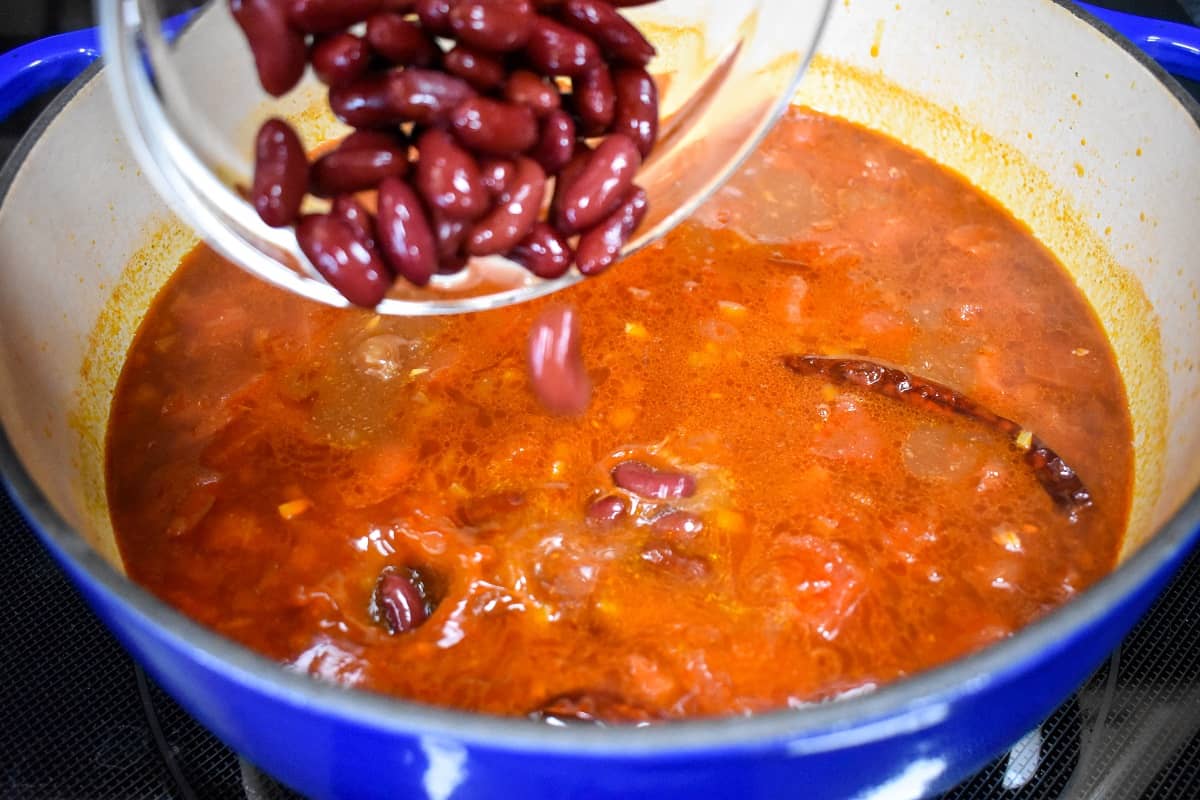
280	173
600	186
404	232
357	168
448	177
556	143
525	88
400	41
514	214
497	26
594	100
348	263
328	16
560	380
554	49
600	247
654	484
493	127
280	52
543	251
340	59
482	71
636	111
399	600
615	35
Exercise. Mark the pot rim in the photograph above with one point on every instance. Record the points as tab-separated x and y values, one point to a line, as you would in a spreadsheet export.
899	707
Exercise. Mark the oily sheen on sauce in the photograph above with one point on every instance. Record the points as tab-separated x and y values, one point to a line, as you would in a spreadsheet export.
714	534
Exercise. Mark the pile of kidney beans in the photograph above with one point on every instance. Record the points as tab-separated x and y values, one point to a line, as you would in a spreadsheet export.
462	118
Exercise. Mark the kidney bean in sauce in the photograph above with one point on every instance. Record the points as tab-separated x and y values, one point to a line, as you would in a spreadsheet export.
399	600
494	89
653	483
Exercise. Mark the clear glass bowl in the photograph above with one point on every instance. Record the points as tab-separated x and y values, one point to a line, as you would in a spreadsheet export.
191	105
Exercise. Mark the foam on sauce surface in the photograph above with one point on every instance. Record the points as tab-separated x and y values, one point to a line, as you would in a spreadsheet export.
268	458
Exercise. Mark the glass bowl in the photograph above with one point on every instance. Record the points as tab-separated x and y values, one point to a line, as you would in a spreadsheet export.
190	105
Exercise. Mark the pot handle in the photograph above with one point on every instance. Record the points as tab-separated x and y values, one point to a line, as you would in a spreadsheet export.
55	61
1175	46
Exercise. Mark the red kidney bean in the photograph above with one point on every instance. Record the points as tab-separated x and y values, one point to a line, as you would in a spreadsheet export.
636	113
448	177
514	213
280	174
280	52
556	368
340	59
328	16
654	484
365	103
435	16
600	247
449	234
353	213
399	601
496	174
400	41
601	185
348	263
566	176
482	71
615	35
525	88
374	140
404	232
426	97
555	49
594	100
556	144
357	168
494	128
543	251
605	510
496	26
680	526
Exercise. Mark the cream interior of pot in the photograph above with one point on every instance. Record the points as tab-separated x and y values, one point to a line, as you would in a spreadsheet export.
1038	109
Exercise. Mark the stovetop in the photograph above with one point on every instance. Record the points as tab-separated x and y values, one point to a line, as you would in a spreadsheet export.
81	721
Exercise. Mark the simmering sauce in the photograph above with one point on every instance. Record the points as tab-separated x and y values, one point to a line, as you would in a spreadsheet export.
269	459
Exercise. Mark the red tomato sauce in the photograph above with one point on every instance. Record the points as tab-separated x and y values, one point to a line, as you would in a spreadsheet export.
269	458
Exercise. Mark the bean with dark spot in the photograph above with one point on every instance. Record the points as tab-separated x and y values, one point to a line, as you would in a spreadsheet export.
435	16
554	49
606	510
340	59
347	208
493	127
329	16
652	483
543	251
348	263
365	102
448	177
426	97
636	113
556	144
405	235
280	173
525	88
357	168
681	526
482	71
556	368
400	41
594	100
514	213
601	186
615	35
280	51
496	174
600	247
496	26
399	600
